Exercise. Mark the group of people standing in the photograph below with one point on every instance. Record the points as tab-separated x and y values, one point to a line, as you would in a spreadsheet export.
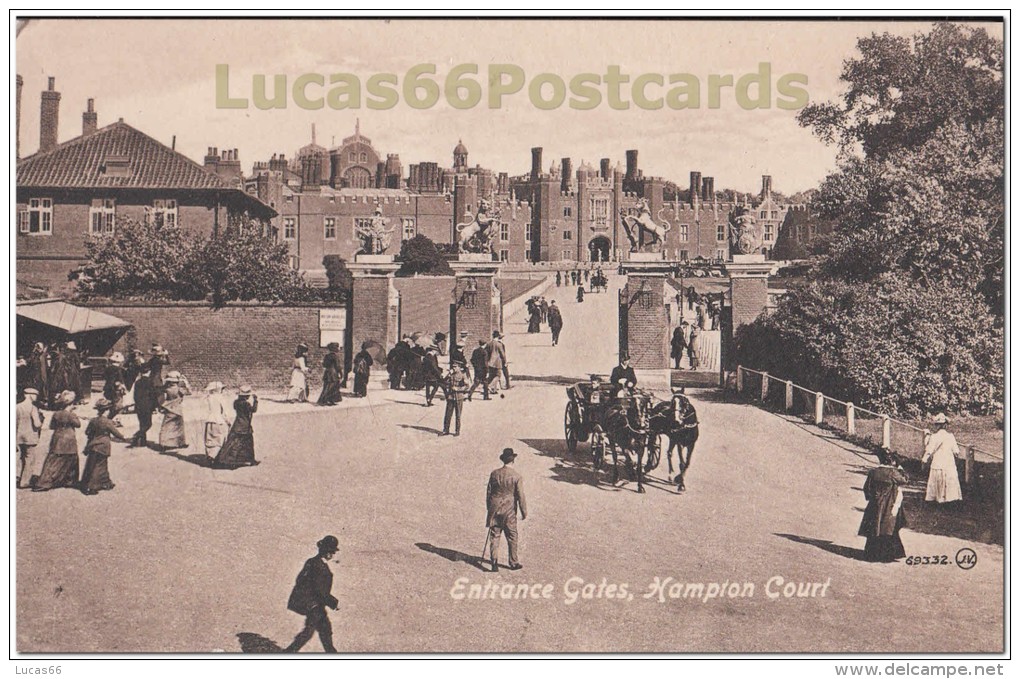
705	307
52	370
884	515
683	343
539	312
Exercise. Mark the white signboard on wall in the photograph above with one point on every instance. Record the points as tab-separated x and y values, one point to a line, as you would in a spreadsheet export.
332	326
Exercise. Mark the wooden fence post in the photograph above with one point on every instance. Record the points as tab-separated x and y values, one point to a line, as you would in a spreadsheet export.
789	396
740	379
851	419
968	465
764	386
886	432
819	408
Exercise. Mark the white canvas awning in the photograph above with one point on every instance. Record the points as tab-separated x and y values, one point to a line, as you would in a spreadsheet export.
68	317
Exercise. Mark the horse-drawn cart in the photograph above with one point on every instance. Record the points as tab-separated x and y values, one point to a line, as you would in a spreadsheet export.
629	423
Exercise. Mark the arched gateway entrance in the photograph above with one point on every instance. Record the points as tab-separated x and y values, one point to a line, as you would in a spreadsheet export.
598	249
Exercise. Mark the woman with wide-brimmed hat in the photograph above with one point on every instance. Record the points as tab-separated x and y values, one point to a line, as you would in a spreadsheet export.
942	450
100	430
114	385
239	448
171	403
299	375
331	367
60	469
216	419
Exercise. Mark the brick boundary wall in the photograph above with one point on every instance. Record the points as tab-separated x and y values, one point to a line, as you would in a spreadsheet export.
239	343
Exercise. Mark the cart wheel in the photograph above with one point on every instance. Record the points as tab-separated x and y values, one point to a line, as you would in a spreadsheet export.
571	423
653	454
598	449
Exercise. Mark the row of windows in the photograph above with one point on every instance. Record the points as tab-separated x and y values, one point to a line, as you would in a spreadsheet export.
684	233
37	217
409	227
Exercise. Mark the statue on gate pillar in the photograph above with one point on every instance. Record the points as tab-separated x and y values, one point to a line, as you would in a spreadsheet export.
746	235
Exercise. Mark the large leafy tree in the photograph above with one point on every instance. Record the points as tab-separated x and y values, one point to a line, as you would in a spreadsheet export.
419	255
905	307
243	264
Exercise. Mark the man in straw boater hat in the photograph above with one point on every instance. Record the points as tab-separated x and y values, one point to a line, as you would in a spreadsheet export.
503	497
311	595
29	421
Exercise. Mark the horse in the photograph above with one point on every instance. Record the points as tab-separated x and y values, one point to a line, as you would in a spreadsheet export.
626	425
678	420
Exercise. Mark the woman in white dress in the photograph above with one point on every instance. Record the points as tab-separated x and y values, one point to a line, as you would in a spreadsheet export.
299	375
941	450
217	421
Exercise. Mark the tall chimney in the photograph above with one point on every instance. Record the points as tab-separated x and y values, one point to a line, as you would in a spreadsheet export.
708	189
536	162
89	119
631	166
695	187
17	124
49	113
604	168
565	171
766	186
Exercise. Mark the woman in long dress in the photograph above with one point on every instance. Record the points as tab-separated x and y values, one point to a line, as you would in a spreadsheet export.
239	448
216	421
60	469
100	430
299	375
535	319
883	517
330	395
171	404
943	477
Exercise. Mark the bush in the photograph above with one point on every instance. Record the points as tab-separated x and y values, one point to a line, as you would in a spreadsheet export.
419	255
337	273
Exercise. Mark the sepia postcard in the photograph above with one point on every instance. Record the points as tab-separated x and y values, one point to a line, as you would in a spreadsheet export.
510	335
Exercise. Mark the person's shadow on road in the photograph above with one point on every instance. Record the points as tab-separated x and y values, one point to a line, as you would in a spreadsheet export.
827	545
256	643
454	555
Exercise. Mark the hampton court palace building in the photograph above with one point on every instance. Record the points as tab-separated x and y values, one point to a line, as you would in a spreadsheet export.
315	200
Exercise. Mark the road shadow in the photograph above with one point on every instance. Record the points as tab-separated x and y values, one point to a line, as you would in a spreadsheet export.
454	556
418	427
827	545
705	395
197	459
578	469
256	643
548	379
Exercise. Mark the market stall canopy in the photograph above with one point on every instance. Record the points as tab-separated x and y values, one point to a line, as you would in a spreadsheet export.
69	318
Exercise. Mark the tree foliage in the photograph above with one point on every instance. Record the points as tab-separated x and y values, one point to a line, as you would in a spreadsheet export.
419	255
905	308
337	273
241	263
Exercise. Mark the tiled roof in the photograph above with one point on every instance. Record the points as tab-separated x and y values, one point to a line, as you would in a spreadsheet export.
87	162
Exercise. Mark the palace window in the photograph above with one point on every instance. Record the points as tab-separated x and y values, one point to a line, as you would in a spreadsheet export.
361	223
364	157
720	255
568	235
504	232
566	254
289	228
409	228
684	255
568	211
527	255
504	255
600	210
352	157
684	233
763	214
527	232
38	218
720	232
163	213
102	215
770	233
329	228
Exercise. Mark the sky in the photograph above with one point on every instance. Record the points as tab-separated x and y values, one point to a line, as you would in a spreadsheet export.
160	77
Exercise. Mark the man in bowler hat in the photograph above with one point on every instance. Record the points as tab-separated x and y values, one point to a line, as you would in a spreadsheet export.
503	497
311	595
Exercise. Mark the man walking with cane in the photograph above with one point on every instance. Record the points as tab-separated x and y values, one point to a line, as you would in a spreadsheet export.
503	496
312	594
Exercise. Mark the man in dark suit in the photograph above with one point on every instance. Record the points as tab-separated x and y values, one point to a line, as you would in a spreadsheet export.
145	406
503	497
480	364
456	390
432	374
311	595
555	322
623	375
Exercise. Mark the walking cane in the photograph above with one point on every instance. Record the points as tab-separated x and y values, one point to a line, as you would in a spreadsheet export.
487	545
